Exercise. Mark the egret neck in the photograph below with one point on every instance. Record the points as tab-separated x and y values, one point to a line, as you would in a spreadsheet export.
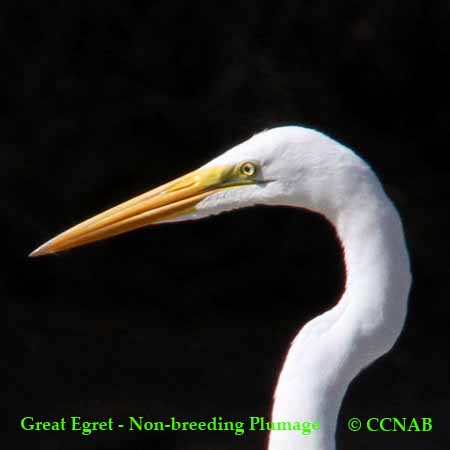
330	350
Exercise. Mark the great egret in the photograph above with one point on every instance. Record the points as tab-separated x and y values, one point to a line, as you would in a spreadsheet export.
297	167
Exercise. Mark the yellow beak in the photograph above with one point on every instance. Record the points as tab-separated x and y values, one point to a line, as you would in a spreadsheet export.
170	200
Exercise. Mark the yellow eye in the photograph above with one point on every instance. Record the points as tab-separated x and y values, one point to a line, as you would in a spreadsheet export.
248	169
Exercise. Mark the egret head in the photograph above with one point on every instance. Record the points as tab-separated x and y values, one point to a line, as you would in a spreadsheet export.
286	166
291	166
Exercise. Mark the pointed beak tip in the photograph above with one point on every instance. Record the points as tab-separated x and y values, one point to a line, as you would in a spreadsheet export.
40	251
34	253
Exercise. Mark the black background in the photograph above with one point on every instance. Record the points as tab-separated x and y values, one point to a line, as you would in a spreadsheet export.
103	100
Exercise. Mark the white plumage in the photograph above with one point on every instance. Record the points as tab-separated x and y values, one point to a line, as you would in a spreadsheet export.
303	168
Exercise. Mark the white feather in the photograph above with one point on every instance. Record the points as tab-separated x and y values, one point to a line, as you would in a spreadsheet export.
310	170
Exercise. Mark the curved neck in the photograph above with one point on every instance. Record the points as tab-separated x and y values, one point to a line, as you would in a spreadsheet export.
334	347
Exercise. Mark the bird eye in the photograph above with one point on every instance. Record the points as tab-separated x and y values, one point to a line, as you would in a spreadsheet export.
248	169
